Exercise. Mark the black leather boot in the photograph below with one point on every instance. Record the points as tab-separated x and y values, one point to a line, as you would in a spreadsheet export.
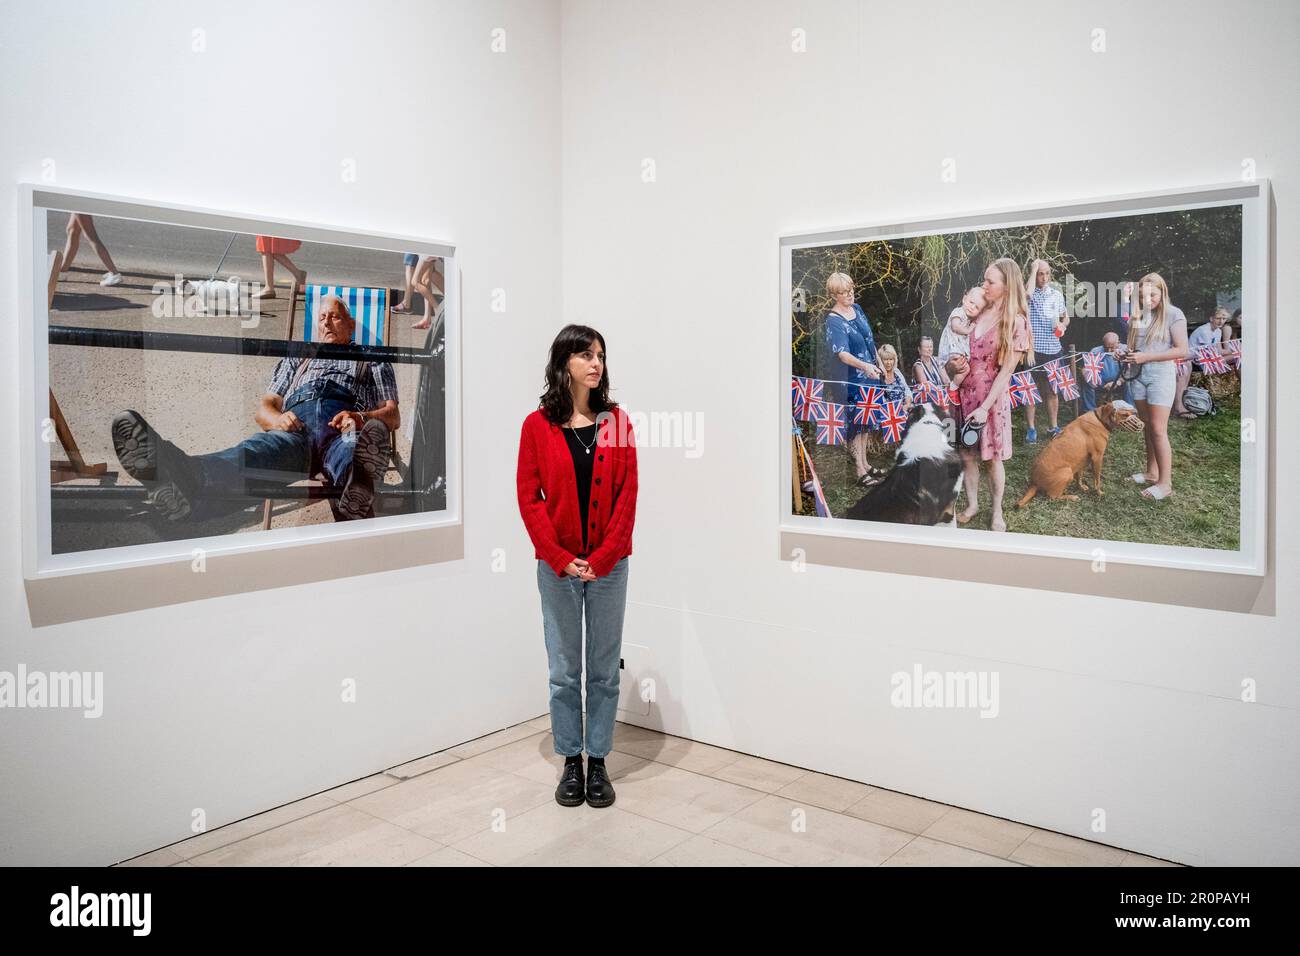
569	792
600	792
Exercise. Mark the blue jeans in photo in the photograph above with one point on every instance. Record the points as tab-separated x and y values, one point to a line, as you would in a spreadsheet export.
564	602
285	457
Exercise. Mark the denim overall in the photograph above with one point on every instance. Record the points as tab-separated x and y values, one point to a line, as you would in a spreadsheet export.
285	457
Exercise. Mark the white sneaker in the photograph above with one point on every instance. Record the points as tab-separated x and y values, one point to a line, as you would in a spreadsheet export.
111	278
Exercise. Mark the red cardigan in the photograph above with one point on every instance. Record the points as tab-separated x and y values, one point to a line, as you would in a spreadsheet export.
548	493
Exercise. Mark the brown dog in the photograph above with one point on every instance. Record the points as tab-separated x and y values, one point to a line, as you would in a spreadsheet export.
1083	440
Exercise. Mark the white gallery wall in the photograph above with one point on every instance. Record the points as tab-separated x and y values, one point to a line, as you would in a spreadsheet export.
533	162
233	704
1121	706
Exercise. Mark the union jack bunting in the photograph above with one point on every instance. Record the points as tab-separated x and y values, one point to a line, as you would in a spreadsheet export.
893	422
804	392
830	423
1065	385
1211	361
1053	370
868	404
1093	368
927	391
1023	390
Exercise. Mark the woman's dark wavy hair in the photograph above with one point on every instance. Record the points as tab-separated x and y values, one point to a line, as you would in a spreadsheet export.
557	401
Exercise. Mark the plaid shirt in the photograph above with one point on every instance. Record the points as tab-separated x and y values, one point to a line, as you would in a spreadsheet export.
378	386
1045	307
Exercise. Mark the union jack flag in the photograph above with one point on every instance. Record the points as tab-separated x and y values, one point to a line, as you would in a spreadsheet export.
869	404
830	423
927	391
1053	370
954	396
804	392
1093	368
1235	348
893	422
1211	361
1023	390
1065	385
1179	367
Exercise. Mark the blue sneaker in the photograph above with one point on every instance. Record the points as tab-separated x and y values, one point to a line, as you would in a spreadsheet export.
1031	436
1055	431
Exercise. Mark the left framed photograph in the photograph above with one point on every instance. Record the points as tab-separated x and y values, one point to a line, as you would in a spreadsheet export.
198	382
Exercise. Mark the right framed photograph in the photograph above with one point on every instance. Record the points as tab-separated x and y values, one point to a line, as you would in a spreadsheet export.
1085	380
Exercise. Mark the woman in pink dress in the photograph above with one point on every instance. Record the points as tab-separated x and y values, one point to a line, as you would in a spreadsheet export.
997	341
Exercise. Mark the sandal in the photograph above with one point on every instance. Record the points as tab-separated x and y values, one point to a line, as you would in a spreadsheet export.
1188	416
1141	478
1155	493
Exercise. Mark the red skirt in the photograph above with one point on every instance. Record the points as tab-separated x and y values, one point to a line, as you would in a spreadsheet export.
271	246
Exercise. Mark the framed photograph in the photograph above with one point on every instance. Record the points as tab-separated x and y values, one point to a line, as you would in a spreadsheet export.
1086	380
198	382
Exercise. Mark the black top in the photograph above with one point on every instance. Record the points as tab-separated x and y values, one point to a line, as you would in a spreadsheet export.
582	445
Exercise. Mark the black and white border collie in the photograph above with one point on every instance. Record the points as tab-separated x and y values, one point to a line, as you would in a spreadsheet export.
922	486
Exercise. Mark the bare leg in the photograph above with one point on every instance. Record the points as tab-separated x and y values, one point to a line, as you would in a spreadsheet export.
970	463
998	478
1159	427
405	305
1148	439
858	450
1053	404
268	278
1184	377
299	276
92	237
74	241
426	281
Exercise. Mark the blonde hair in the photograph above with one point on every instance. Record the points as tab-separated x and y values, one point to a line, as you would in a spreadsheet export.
972	290
886	351
838	282
1157	329
1221	311
1014	303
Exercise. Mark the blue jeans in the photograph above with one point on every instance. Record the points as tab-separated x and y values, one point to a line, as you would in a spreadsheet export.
285	457
564	599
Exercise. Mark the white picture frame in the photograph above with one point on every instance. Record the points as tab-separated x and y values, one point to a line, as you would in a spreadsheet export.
1251	556
34	202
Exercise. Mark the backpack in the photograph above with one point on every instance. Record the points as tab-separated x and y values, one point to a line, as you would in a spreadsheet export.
1198	401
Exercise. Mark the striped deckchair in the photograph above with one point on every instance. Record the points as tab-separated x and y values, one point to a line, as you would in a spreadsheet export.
368	306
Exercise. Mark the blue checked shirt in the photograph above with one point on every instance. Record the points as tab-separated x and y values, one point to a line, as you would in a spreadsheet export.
1045	306
377	386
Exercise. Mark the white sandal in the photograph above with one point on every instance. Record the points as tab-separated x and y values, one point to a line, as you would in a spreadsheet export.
1141	478
1156	493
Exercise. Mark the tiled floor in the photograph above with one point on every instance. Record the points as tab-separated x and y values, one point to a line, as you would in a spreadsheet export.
489	803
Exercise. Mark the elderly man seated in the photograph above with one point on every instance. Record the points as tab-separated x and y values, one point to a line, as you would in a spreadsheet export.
326	415
1110	386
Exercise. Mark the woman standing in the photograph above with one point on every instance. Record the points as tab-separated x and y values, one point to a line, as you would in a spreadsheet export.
1157	339
577	482
852	351
274	249
997	342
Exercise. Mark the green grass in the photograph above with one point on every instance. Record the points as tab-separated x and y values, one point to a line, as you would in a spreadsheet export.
1203	511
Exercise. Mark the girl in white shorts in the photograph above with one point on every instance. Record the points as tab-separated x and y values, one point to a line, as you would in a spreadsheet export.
1157	338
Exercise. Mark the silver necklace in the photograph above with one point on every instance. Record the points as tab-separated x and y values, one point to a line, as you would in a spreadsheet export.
580	441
